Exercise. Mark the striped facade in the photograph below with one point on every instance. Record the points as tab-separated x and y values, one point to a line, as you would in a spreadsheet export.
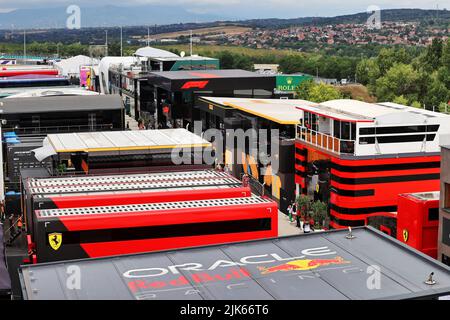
361	188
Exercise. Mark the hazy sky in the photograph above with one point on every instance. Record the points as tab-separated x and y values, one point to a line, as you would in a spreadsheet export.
248	8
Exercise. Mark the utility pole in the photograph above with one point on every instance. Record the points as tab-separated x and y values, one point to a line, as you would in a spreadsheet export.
190	43
121	41
24	45
106	42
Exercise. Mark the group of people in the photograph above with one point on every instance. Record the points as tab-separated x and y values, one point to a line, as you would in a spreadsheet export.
304	222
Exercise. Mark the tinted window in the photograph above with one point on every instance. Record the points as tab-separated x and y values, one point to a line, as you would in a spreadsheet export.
433	214
167	231
397	139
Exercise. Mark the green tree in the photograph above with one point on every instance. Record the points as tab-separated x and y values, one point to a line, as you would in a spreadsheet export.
401	79
432	58
319	213
367	71
323	92
385	60
317	92
401	100
226	60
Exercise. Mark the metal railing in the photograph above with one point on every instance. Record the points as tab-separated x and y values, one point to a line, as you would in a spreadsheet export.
325	141
61	129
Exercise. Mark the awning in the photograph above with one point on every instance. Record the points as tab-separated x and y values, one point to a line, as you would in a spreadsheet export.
45	151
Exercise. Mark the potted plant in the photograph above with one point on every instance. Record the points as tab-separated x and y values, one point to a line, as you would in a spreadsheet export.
303	204
319	213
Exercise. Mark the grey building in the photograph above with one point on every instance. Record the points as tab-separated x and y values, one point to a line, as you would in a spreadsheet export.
444	212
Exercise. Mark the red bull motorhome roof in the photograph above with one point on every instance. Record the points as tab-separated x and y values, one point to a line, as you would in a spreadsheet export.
334	265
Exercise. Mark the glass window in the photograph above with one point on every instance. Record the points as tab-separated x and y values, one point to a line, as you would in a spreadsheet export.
447	196
433	214
337	129
345	130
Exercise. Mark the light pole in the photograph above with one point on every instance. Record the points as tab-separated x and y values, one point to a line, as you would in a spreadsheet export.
24	45
106	42
121	42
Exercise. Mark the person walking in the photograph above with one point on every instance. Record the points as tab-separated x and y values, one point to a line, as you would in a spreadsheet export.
289	209
297	218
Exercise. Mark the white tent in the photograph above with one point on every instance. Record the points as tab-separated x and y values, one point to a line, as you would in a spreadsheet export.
151	52
71	66
104	66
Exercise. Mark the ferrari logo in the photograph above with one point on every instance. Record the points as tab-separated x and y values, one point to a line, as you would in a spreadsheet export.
55	240
405	235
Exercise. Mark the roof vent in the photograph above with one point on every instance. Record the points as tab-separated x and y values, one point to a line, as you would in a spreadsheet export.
350	234
430	280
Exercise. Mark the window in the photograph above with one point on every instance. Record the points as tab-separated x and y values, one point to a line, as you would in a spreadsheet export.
447	196
397	139
395	130
337	129
433	214
167	231
366	131
345	130
445	260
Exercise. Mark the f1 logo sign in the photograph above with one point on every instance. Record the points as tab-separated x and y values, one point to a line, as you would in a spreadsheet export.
195	85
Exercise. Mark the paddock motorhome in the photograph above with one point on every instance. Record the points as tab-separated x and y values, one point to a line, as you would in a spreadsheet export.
365	154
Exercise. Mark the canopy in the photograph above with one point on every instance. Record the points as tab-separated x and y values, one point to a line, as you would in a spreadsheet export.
72	65
154	53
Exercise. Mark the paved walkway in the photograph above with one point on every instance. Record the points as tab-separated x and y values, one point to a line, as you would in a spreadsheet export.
285	228
131	122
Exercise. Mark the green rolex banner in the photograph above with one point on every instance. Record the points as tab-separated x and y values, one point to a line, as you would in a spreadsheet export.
290	82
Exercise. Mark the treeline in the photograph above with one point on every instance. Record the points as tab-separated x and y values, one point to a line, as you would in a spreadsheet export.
422	81
324	66
53	49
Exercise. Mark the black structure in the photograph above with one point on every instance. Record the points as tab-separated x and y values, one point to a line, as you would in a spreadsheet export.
62	114
326	265
168	98
5	282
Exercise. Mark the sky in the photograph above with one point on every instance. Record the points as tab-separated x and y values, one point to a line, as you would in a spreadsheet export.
246	8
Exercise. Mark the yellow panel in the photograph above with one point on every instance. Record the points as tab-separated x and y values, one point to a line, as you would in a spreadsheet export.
253	167
276	181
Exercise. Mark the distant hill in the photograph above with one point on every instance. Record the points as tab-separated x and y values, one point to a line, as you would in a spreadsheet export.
103	16
400	15
172	19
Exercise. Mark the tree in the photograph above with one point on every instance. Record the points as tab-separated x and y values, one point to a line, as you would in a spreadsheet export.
401	100
367	71
226	60
323	92
400	80
438	93
432	58
416	104
385	60
303	204
317	92
319	213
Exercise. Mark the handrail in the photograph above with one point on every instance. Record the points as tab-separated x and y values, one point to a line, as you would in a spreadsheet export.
325	141
68	128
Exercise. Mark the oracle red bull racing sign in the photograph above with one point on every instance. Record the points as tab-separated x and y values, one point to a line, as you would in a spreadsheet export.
147	282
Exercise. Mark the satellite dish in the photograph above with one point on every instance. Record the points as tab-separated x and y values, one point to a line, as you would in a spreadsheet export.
182	54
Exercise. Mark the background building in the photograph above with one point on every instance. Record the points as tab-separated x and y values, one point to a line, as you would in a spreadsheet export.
444	212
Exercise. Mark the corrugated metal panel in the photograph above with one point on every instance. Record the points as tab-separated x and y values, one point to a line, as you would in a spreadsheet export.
316	266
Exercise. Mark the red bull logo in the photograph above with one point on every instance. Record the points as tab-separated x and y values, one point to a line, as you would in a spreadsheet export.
305	264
